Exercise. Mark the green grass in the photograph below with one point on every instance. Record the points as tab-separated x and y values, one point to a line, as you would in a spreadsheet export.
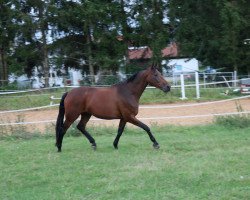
157	96
234	121
29	100
42	98
201	162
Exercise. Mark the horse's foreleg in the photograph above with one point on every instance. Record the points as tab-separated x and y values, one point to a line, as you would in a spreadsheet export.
82	125
122	125
138	123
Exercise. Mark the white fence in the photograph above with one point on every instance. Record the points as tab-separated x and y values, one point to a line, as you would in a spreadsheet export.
100	79
141	107
183	83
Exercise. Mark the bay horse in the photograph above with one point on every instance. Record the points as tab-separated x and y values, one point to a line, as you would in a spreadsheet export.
119	101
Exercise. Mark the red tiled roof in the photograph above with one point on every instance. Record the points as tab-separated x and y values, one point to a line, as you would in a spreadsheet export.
146	52
141	53
170	51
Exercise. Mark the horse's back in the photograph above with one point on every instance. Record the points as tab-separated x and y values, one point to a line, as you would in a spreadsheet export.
100	102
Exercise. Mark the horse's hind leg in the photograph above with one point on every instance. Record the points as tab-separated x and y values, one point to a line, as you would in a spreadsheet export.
62	132
82	125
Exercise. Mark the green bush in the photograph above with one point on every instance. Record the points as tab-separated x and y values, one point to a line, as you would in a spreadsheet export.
108	80
234	121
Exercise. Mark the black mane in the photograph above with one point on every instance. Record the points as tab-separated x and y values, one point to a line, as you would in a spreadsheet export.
131	78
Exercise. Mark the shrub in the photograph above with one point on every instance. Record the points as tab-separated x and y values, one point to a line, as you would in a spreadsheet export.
234	121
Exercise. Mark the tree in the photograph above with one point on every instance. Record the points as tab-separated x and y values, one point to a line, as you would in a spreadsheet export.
233	24
87	34
99	24
83	34
8	30
32	31
211	31
150	26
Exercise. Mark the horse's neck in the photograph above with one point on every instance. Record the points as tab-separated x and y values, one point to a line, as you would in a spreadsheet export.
138	86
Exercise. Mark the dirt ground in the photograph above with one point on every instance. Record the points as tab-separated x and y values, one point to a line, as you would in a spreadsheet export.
177	114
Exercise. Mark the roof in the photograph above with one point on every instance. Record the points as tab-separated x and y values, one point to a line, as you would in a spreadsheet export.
147	53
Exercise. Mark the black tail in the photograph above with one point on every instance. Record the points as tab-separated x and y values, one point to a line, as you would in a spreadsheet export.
60	117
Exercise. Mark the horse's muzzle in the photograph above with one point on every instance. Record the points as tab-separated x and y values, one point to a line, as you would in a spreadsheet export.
166	88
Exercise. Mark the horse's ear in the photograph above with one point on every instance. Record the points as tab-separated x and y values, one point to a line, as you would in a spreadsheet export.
153	67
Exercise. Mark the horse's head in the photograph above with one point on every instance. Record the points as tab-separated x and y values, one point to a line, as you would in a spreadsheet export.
154	78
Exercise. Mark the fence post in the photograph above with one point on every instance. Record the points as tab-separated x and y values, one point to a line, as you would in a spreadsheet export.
183	95
235	78
197	86
204	79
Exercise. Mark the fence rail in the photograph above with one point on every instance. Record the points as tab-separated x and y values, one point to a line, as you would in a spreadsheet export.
105	80
141	107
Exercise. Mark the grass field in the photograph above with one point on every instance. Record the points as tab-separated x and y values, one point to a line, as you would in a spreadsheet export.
201	162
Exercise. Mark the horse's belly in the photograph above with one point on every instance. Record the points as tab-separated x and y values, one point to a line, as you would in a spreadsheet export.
105	112
104	109
102	103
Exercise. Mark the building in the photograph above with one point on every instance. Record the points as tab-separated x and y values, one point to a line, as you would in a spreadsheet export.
172	64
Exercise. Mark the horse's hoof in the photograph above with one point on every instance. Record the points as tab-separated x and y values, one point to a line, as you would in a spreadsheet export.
59	150
93	146
156	146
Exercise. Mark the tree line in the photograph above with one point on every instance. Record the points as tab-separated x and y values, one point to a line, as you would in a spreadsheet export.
96	34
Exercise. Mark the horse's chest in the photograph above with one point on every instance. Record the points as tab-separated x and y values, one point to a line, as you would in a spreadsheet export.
129	106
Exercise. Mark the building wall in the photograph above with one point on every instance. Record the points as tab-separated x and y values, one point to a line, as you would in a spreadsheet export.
182	65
